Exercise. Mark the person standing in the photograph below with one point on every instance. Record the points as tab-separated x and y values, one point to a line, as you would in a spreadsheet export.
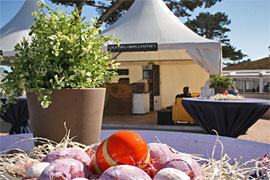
267	87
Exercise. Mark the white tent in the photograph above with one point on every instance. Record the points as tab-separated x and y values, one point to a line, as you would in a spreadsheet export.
17	28
151	21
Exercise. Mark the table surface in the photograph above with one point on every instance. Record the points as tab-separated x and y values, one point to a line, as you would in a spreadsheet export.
228	117
236	101
191	143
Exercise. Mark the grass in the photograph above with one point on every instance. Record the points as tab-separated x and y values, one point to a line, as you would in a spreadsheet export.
263	63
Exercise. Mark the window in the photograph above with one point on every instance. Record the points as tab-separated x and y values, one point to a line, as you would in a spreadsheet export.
123	80
122	71
246	84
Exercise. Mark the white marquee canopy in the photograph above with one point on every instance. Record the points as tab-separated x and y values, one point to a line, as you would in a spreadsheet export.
17	28
147	21
151	21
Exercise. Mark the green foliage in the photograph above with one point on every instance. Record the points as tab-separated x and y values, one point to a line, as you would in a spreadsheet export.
151	63
77	3
63	52
220	81
230	52
114	89
263	63
213	26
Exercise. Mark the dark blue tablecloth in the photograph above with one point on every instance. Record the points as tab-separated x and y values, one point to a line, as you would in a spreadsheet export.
17	115
228	117
201	144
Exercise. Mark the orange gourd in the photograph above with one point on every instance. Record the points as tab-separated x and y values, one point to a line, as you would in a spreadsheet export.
123	147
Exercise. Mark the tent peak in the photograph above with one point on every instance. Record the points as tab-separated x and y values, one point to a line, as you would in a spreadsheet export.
22	20
18	26
152	21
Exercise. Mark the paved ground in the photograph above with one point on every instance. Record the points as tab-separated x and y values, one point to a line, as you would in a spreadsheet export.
259	132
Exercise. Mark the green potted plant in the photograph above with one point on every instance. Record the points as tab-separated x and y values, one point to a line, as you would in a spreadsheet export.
63	69
220	83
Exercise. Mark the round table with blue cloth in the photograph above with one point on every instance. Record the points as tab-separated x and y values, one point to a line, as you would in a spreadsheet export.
17	115
228	117
191	143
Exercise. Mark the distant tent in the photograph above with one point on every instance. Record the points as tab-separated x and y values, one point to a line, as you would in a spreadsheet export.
151	21
17	28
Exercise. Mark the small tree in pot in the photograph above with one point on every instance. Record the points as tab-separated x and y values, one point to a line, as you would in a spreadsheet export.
64	53
220	83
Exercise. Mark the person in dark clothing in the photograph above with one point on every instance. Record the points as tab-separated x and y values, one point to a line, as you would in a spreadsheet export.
186	93
266	88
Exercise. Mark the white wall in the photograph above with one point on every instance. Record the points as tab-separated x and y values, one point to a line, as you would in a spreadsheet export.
174	76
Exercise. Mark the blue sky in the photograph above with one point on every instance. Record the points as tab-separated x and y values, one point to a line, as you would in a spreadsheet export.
250	22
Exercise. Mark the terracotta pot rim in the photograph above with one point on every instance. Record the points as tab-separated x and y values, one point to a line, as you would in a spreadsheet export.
76	89
79	89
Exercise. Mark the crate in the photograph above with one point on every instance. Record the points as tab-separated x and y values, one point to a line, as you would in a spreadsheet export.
165	117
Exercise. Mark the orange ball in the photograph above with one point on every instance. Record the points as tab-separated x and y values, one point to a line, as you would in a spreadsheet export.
123	147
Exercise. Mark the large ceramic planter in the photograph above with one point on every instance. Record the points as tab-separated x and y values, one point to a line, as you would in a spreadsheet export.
81	109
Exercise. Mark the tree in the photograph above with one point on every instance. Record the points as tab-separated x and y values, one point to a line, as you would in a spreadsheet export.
231	53
213	26
110	11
